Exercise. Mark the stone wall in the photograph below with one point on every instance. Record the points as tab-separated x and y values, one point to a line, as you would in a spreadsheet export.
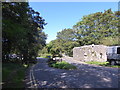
90	53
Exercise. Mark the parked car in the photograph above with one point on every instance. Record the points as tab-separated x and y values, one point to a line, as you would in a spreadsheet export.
113	54
12	56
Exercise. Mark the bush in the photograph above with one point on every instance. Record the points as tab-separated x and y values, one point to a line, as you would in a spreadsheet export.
61	65
45	55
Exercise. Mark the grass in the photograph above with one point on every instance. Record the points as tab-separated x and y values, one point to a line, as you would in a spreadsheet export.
61	65
103	64
97	63
45	55
13	75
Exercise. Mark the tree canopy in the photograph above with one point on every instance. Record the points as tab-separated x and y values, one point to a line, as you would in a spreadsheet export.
63	44
22	31
97	28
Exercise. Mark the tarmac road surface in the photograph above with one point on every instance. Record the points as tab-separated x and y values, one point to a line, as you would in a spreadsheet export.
86	76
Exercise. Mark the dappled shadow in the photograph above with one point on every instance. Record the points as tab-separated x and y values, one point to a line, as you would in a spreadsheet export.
29	83
91	78
84	77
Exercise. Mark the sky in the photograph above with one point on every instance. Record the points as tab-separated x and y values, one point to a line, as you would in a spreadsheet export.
61	15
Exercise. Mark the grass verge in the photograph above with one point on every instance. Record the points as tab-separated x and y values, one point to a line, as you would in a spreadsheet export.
45	55
61	65
103	64
13	75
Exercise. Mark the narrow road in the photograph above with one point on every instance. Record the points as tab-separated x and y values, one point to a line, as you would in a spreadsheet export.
43	76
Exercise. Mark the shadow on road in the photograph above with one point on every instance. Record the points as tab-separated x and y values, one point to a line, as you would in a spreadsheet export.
84	77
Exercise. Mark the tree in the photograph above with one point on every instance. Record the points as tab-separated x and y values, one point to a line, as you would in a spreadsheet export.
64	43
95	27
66	34
22	31
109	41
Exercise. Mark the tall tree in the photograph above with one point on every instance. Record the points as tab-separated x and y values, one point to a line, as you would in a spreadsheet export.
64	43
95	27
22	30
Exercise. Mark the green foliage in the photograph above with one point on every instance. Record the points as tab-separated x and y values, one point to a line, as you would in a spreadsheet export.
13	69
98	63
107	64
61	65
22	31
97	28
115	66
66	34
109	41
45	55
64	43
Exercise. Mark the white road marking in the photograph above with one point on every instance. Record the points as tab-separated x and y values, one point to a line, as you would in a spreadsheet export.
32	78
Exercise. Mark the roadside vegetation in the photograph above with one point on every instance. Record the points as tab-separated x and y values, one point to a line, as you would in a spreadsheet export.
45	55
13	75
107	64
22	38
61	65
97	28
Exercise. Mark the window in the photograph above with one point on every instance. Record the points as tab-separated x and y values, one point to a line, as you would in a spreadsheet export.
118	50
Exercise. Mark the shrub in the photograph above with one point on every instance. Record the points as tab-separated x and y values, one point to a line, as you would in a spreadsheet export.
61	65
45	55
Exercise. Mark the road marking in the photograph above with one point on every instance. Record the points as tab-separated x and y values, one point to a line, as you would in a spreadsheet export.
32	78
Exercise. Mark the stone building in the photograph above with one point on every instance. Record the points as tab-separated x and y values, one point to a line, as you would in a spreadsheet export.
90	53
